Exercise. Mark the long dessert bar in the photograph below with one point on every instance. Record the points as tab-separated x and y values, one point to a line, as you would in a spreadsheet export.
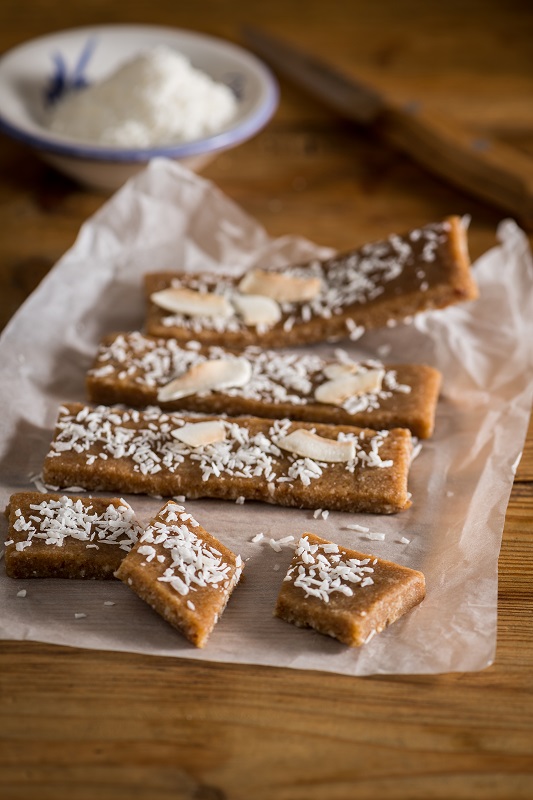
291	464
376	285
139	371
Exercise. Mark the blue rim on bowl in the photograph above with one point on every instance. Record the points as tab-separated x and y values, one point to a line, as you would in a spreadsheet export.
235	134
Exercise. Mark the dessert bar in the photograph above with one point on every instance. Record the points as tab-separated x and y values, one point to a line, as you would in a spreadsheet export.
277	461
140	370
182	572
54	536
376	285
348	595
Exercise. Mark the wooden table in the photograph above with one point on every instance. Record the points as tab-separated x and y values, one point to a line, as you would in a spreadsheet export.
84	724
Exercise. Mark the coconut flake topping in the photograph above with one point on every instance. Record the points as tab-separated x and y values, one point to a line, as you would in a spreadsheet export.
320	570
207	376
193	563
55	521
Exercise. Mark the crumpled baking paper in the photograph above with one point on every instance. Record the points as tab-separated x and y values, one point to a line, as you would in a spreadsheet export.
169	218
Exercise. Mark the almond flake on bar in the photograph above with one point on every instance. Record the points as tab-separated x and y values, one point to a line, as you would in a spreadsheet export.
192	303
309	445
340	369
257	309
337	390
200	434
222	373
282	288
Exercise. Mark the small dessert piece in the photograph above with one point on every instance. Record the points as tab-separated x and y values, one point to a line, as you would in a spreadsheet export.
345	594
183	572
54	536
116	449
376	285
140	371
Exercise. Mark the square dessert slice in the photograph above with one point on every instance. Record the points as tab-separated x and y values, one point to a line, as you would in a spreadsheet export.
140	371
54	536
276	461
182	572
345	594
379	284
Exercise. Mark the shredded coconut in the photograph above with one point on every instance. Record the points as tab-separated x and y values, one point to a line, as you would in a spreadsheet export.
39	484
54	521
157	98
319	571
193	563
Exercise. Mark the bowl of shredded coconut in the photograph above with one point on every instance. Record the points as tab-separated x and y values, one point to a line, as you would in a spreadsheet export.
99	102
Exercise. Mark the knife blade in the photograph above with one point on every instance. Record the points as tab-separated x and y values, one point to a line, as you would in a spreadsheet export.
483	166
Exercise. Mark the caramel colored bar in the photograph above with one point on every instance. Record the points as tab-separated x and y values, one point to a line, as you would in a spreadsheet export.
182	572
131	368
114	449
54	536
345	594
376	285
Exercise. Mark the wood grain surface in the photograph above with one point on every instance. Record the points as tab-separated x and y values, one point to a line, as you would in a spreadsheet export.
85	724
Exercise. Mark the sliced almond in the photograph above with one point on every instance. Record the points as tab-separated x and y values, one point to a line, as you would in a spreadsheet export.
256	309
199	434
338	390
220	373
282	288
192	303
338	370
304	443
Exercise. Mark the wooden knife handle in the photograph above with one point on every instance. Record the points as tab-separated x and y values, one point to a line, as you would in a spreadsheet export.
483	166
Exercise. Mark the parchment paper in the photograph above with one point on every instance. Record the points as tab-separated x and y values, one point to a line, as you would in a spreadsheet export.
169	218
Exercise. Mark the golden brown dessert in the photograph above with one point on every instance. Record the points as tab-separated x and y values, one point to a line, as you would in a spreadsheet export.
182	572
277	461
140	371
345	594
376	285
54	536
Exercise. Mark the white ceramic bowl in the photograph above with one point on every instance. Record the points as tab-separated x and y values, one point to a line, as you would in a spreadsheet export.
38	72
